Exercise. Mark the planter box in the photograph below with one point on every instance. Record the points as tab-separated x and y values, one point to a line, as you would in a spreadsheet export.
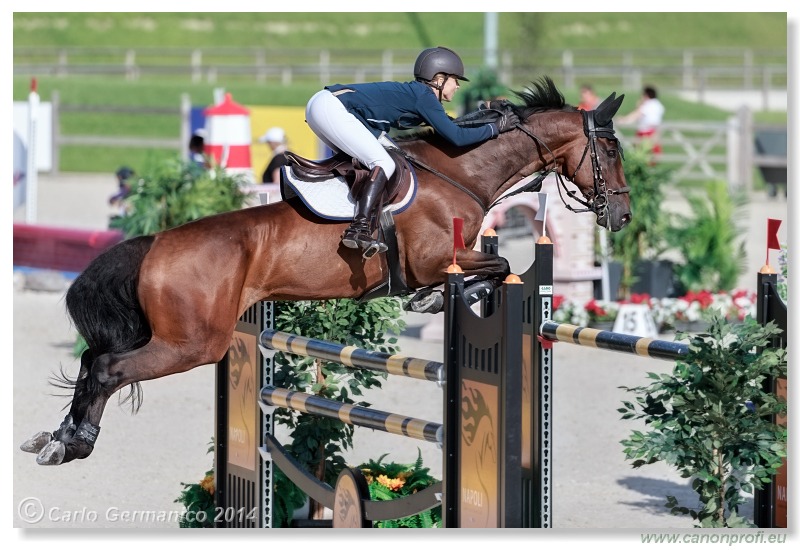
655	278
614	279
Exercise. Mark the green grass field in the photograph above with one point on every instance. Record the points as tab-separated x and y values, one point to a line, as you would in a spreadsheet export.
362	33
380	30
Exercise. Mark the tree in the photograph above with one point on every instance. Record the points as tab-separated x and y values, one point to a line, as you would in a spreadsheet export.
316	442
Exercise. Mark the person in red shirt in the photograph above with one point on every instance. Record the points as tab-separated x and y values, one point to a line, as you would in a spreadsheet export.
589	99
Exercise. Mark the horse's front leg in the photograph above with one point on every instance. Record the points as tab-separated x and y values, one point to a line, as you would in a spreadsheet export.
482	265
488	271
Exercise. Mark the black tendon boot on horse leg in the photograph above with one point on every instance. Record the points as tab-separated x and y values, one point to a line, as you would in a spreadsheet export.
368	203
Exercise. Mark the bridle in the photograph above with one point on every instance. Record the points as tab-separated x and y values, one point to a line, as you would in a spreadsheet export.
598	203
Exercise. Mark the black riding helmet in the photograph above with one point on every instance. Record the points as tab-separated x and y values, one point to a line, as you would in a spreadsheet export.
124	173
438	60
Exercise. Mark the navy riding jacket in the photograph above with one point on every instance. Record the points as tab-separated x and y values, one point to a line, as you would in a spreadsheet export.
402	105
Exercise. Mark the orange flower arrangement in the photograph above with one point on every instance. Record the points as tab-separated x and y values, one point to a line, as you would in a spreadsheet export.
393	484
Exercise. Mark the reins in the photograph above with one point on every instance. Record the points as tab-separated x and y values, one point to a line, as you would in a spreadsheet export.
597	204
445	177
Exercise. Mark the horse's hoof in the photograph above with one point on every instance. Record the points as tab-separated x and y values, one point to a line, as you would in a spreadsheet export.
478	291
52	454
430	303
37	442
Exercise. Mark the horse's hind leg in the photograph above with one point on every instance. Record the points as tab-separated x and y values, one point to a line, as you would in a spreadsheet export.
76	435
67	429
111	372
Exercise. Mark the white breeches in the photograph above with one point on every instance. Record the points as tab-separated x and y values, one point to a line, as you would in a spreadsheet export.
341	131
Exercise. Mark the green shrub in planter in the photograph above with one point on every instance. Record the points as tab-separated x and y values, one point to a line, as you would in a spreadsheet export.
319	443
645	237
711	419
175	192
710	240
198	499
783	278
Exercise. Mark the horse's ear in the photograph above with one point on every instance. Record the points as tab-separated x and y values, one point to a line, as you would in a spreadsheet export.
607	109
606	101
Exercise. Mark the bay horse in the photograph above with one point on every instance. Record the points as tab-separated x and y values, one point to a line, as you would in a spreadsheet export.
163	304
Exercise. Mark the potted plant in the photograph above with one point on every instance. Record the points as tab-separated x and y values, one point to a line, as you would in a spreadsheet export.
689	313
319	443
175	192
198	501
712	420
637	247
483	86
388	481
601	313
710	242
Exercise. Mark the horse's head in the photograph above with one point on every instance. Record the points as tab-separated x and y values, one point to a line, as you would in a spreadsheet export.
582	146
602	181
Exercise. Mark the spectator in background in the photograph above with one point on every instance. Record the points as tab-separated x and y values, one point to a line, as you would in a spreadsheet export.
118	199
197	150
589	99
648	115
275	138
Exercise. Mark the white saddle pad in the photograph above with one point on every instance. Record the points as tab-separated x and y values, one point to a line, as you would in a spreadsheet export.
331	199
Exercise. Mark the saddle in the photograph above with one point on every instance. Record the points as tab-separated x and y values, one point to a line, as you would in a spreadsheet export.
353	172
306	177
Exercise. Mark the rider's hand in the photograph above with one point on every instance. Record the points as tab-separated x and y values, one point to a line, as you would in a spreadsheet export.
507	122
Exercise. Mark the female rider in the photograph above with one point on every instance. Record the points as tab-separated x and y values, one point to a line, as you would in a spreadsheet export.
352	118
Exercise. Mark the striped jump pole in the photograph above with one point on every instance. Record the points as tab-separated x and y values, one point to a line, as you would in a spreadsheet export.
352	356
352	414
613	341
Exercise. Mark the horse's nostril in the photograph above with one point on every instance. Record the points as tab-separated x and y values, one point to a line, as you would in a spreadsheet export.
626	219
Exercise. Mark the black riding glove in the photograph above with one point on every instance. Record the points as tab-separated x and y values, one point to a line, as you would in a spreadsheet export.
507	122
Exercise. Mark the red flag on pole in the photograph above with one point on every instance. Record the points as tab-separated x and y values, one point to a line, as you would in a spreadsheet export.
458	236
772	236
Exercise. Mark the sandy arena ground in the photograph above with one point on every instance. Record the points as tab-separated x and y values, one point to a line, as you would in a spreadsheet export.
140	461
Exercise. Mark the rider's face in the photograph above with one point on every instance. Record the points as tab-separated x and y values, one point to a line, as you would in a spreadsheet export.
450	88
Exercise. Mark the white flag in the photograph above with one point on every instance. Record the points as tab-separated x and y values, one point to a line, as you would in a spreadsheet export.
540	220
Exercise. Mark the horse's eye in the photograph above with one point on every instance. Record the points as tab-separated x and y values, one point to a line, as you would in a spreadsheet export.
612	153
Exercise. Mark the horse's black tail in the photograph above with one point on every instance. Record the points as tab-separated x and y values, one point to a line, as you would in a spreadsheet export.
103	301
103	304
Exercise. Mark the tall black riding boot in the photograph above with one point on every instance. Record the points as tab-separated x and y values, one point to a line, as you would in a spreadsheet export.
359	234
